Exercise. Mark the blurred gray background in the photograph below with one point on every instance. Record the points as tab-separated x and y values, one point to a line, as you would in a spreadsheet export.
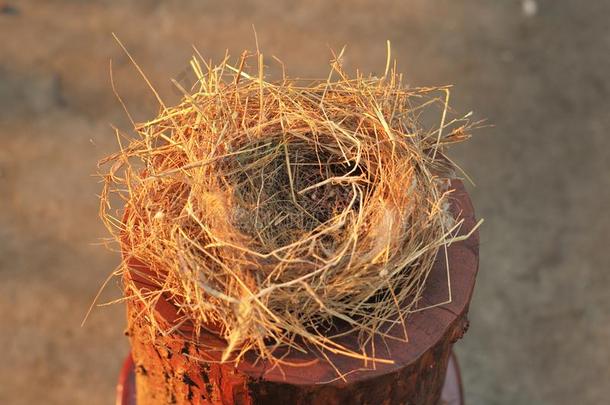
538	71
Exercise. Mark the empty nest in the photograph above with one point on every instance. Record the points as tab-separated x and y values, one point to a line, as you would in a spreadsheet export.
269	211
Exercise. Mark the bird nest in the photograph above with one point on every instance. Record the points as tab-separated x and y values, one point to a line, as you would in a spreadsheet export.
269	211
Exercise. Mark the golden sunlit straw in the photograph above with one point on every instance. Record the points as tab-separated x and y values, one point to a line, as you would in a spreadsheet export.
270	209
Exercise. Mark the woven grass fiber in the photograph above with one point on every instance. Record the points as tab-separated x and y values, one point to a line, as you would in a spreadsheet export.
268	211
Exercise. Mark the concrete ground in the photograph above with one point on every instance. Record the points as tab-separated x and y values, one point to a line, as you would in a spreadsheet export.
540	317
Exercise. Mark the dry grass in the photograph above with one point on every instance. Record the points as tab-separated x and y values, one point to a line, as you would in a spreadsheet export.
269	210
